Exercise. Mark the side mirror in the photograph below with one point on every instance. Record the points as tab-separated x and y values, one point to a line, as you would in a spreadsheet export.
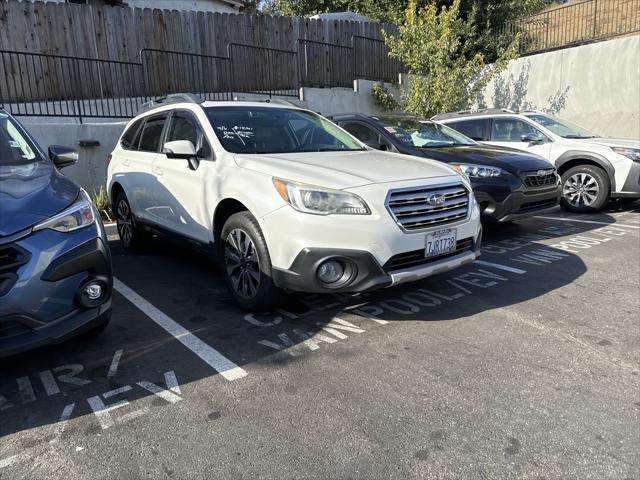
63	156
183	150
532	137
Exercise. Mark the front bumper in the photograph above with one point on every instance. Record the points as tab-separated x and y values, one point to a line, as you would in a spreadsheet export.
520	203
368	274
44	305
631	187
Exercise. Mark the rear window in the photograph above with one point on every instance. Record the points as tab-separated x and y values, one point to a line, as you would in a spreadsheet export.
475	129
151	133
15	146
131	137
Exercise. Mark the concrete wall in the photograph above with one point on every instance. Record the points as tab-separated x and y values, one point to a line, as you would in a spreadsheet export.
596	86
91	169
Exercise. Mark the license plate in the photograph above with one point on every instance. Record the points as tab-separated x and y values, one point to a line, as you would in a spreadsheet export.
440	242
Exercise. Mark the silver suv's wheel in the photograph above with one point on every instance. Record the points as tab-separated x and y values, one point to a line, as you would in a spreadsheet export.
242	264
585	188
246	264
132	236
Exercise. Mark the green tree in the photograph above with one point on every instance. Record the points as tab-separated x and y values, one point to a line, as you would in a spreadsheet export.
447	72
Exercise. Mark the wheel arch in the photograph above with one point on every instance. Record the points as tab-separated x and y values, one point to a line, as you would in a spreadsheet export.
224	209
116	189
574	158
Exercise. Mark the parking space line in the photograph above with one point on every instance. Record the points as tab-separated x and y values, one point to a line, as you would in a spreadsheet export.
115	362
616	224
208	354
500	267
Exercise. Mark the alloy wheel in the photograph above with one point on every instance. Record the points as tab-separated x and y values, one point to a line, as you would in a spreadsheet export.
242	263
124	222
581	190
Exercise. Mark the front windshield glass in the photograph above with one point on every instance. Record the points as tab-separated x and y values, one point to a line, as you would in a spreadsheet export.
562	128
15	148
245	129
423	133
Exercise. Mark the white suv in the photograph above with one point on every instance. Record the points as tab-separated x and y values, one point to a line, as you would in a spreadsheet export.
287	200
593	169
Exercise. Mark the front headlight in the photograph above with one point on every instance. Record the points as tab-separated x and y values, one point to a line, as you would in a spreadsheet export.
632	153
78	215
319	200
479	171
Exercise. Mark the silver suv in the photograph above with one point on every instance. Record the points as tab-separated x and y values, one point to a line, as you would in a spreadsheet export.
593	169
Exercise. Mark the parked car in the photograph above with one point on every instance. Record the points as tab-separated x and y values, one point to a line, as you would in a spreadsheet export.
287	199
507	184
55	266
593	169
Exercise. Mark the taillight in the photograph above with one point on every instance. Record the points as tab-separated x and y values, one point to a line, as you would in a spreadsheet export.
109	159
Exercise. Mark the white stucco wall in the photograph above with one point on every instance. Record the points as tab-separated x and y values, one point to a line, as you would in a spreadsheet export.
596	86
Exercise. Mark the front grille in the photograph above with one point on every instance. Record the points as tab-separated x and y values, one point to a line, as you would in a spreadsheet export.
413	211
547	179
527	207
416	258
12	257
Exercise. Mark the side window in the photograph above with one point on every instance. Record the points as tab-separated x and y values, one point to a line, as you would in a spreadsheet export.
151	133
131	137
362	132
511	130
184	127
475	129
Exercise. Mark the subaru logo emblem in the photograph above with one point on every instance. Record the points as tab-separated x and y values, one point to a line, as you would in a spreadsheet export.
542	173
436	199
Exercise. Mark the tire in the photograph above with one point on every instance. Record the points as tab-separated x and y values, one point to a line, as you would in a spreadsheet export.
246	264
585	189
132	236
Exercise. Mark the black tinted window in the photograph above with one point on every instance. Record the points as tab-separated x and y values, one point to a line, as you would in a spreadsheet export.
131	137
475	129
510	130
182	128
150	141
362	132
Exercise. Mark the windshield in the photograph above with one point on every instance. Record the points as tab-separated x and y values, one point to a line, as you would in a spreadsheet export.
245	129
15	147
423	133
562	128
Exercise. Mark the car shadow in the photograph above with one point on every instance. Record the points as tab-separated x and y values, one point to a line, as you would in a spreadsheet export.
520	262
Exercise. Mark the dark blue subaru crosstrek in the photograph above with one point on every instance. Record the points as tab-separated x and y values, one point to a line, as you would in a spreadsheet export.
55	266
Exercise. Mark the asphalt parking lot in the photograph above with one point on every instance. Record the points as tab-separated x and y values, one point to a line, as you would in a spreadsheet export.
524	364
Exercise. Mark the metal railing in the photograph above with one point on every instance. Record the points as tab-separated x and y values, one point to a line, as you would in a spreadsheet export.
574	24
36	84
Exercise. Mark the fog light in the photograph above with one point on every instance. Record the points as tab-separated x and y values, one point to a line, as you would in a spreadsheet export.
330	271
93	291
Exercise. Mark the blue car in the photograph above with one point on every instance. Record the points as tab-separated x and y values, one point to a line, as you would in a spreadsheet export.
55	266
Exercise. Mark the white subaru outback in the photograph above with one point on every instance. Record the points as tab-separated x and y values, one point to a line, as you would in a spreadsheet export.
287	200
593	169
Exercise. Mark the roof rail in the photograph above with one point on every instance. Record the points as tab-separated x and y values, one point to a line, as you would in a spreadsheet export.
469	113
169	99
348	114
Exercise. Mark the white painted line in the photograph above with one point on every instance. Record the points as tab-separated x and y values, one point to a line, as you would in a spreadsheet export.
614	224
115	362
26	390
208	354
500	267
62	423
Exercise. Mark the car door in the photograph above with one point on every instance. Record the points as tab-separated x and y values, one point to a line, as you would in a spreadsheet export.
181	189
139	152
509	131
366	134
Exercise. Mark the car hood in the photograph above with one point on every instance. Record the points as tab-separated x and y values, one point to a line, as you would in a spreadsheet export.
340	170
610	142
31	193
511	160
